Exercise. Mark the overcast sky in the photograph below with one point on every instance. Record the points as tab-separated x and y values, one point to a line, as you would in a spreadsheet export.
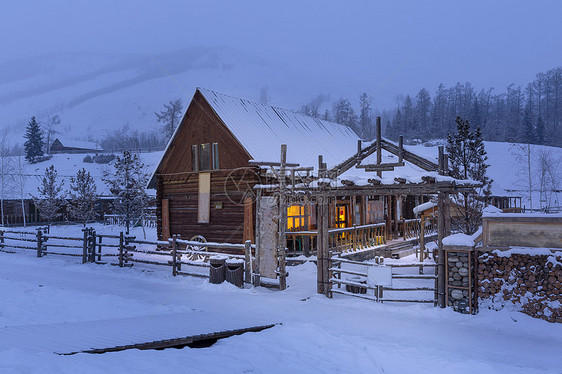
407	44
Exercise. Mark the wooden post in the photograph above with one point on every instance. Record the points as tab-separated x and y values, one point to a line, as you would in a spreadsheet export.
379	144
257	280
400	148
39	236
121	249
282	243
359	147
174	255
396	233
322	241
85	246
440	160
447	214
247	261
99	247
422	239
441	253
320	166
1	239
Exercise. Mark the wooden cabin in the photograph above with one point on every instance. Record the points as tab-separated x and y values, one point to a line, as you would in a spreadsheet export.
226	148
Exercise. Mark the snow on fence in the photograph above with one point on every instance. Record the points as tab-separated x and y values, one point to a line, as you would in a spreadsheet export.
363	280
124	251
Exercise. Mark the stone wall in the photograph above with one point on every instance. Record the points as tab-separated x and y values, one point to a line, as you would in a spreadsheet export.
526	280
458	280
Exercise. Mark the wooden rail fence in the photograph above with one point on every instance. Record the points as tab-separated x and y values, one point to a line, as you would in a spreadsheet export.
124	250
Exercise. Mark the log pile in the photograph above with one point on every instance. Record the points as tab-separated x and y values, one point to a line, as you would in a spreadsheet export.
531	283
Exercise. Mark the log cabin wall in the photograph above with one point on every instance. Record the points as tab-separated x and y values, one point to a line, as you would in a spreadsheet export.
177	182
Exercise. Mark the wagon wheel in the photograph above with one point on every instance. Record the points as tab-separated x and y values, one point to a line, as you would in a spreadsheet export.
196	256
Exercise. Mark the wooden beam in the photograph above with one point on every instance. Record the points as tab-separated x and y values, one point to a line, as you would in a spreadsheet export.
387	164
267	163
441	253
400	148
282	242
379	144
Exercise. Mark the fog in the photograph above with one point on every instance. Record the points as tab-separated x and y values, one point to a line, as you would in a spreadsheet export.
388	48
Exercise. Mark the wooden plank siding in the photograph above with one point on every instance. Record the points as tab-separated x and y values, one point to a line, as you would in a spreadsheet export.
229	186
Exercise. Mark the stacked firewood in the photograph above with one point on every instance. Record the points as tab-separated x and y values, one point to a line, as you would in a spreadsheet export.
532	282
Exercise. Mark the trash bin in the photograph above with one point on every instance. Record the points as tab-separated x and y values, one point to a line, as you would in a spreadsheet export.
217	270
235	271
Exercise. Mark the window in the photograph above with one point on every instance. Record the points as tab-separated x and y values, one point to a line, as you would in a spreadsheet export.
296	218
205	156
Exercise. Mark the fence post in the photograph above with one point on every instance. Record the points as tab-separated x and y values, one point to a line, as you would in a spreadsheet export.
39	242
1	239
174	259
121	245
85	246
92	245
99	247
248	262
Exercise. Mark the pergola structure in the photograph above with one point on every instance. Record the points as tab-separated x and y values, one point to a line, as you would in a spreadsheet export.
328	185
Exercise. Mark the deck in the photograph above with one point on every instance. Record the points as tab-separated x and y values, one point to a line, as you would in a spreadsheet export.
142	332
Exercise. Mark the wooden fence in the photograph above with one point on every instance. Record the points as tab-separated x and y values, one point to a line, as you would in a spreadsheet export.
355	282
182	256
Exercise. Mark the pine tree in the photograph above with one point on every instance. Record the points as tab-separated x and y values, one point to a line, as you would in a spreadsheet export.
127	184
365	118
82	196
34	144
467	157
49	202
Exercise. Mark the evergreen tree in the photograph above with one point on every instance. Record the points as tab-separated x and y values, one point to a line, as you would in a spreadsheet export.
127	184
467	157
326	116
365	118
82	196
49	202
34	143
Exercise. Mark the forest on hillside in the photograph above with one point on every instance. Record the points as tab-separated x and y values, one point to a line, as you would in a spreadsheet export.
531	113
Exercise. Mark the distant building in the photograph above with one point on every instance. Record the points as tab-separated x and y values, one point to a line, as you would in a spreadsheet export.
74	146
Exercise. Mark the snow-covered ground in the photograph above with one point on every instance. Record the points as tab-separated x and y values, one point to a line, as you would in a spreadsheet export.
315	334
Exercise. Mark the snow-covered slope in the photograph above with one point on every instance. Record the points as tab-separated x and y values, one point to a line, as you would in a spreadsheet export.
66	166
93	93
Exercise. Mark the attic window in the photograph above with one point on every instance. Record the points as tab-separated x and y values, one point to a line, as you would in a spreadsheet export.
205	156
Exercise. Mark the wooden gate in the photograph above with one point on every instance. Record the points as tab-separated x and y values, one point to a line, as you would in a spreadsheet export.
352	278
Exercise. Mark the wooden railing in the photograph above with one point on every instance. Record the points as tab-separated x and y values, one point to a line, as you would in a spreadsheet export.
412	228
351	239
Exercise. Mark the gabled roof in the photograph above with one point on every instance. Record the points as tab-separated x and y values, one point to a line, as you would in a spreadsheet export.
261	129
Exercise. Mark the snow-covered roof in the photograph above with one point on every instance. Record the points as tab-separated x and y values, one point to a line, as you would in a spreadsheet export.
261	129
80	144
425	206
66	166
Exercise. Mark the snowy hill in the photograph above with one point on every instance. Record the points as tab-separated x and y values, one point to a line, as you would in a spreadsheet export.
66	166
97	92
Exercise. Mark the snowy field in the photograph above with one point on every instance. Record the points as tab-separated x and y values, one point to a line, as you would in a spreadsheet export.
314	335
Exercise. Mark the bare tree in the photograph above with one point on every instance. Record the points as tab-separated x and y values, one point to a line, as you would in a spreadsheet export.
6	169
19	180
50	130
523	154
170	117
549	178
